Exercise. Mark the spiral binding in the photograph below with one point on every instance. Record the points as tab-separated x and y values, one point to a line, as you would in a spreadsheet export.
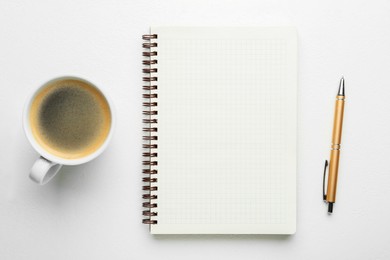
150	129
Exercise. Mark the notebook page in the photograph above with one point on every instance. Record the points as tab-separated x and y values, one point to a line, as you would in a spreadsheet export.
226	130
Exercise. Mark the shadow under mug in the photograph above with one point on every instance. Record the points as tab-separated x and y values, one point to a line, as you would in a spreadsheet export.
48	165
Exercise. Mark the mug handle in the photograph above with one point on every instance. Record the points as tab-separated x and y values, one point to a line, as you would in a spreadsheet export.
44	170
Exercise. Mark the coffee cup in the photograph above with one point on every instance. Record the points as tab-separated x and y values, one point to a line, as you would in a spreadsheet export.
68	121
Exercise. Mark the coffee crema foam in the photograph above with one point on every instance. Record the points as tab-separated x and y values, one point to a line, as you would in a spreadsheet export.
70	118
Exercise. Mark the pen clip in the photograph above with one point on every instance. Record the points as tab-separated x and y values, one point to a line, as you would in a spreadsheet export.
323	182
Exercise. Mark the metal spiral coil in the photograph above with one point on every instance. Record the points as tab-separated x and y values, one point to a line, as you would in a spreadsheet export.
150	128
154	87
149	146
147	45
150	104
149	95
150	188
149	70
149	36
149	62
148	196
147	171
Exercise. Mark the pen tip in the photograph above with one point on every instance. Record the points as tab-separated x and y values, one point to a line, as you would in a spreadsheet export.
341	87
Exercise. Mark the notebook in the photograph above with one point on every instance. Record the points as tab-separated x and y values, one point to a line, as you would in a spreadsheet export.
220	130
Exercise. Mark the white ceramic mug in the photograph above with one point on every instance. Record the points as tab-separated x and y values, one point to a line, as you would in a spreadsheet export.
48	165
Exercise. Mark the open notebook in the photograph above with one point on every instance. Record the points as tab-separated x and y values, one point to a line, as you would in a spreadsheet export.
220	122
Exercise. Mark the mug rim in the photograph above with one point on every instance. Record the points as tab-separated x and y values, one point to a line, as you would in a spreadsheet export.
44	153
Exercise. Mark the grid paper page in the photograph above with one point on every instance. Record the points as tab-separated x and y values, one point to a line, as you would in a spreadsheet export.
226	130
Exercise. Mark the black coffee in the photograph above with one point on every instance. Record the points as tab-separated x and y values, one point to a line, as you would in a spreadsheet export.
70	118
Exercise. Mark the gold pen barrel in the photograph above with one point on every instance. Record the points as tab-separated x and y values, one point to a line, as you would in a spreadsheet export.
335	149
338	121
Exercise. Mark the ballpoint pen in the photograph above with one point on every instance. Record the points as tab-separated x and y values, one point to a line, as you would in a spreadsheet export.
330	196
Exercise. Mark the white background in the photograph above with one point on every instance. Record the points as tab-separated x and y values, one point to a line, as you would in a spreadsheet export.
94	211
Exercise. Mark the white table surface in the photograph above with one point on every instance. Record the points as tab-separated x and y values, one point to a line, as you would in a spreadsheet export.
94	211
